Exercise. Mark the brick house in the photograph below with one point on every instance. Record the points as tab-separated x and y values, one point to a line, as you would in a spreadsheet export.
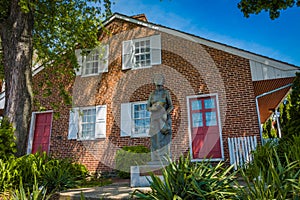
218	92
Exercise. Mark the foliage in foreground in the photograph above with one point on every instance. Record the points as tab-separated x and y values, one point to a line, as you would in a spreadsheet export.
39	169
131	155
274	172
7	140
187	180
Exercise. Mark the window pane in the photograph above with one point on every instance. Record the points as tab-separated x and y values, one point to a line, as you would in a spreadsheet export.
211	118
197	119
196	105
148	56
209	103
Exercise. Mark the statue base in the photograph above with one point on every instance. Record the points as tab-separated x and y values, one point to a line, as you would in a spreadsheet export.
140	175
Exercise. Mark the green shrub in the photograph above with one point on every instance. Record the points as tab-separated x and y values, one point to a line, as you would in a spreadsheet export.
184	179
9	175
53	174
62	174
274	172
57	176
34	193
289	147
7	140
130	156
274	181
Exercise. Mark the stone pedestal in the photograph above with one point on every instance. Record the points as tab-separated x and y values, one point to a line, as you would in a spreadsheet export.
140	175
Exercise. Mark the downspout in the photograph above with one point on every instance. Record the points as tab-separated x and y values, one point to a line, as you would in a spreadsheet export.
257	107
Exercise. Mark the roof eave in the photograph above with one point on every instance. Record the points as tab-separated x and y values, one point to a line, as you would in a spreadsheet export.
220	46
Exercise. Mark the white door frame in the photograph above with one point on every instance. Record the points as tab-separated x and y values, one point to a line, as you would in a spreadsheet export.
190	128
32	129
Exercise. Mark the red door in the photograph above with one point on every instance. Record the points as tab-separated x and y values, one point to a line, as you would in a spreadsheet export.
41	139
205	131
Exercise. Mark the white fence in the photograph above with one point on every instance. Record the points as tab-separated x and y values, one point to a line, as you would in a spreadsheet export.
240	149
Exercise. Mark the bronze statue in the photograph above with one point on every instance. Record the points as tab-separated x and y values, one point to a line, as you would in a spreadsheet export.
160	105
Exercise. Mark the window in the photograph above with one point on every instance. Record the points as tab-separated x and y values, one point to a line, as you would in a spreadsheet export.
92	62
135	119
87	123
141	53
141	119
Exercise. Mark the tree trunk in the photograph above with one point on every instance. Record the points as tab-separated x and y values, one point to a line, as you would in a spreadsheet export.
16	36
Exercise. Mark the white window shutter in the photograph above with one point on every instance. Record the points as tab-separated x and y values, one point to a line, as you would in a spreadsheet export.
73	123
155	43
126	119
100	121
128	51
79	61
104	52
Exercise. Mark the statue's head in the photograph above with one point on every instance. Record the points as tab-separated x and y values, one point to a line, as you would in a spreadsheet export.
158	79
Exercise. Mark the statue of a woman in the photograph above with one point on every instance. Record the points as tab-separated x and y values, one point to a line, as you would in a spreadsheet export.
160	105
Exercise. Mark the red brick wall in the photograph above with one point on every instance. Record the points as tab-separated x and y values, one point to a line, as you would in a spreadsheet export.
186	66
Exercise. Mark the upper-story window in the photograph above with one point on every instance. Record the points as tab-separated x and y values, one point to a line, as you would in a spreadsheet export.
141	53
92	62
142	56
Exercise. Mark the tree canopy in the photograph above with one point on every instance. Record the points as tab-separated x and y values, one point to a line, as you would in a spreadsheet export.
46	32
274	7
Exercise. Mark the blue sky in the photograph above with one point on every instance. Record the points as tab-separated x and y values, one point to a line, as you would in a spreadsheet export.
222	21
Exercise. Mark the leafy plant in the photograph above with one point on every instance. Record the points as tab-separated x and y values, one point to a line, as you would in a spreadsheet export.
131	155
36	193
274	179
184	179
53	174
32	164
7	140
8	174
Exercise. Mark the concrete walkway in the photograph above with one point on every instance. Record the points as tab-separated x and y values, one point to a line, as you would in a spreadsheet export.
119	189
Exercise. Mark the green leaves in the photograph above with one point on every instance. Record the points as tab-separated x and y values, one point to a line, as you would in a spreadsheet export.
22	175
7	140
274	172
130	155
4	9
186	180
273	7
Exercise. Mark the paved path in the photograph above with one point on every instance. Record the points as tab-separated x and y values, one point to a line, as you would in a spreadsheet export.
117	190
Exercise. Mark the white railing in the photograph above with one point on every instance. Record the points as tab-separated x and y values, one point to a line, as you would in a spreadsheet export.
240	149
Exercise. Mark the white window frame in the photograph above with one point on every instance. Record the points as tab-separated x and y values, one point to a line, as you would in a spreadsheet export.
75	122
139	41
101	61
81	123
129	52
127	120
134	134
